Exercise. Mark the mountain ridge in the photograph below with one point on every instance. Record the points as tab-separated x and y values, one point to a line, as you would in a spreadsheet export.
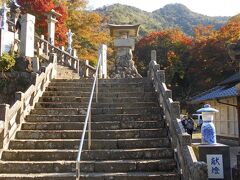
171	15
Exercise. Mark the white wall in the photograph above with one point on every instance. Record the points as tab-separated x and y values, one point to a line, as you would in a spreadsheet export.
226	121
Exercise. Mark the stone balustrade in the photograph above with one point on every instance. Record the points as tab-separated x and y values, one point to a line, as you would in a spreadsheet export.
191	169
82	67
12	117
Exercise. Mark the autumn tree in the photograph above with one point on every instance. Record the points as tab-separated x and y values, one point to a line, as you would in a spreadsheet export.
172	47
40	9
88	28
210	56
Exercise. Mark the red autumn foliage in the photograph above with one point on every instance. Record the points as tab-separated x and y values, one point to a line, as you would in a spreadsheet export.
40	9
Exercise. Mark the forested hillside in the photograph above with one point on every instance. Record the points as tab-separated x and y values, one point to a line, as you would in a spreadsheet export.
172	15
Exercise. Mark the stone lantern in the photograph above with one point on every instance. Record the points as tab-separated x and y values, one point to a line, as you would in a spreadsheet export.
52	19
208	130
124	43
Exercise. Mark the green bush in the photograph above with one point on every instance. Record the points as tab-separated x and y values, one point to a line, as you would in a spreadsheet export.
6	62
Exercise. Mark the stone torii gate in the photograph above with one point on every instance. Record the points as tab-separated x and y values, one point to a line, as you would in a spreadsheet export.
124	42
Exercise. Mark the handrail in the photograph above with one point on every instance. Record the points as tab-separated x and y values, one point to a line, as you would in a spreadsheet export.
88	120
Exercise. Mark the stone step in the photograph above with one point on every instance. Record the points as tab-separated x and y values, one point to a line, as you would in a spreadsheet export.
103	94
96	143
94	176
95	118
132	176
94	105
95	125
37	167
104	81
100	99
39	176
105	90
87	166
139	165
71	155
94	111
101	85
96	134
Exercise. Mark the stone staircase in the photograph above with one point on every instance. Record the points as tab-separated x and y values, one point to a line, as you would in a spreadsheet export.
129	136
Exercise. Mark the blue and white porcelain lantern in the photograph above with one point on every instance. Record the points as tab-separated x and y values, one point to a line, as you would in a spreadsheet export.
208	130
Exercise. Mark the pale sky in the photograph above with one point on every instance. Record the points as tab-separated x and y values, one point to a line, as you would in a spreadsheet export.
206	7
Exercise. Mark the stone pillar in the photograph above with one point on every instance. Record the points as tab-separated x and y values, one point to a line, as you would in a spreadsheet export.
102	54
27	35
4	108
4	26
217	157
4	11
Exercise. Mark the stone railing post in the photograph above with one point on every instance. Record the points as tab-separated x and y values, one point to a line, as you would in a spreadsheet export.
4	108
74	53
87	69
41	46
175	109
168	93
46	49
162	76
61	59
3	111
185	139
75	62
53	59
153	58
20	114
153	55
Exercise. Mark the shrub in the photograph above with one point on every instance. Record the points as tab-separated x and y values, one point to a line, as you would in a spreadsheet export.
6	62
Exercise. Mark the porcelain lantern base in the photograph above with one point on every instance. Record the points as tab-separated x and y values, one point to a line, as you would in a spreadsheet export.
208	133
